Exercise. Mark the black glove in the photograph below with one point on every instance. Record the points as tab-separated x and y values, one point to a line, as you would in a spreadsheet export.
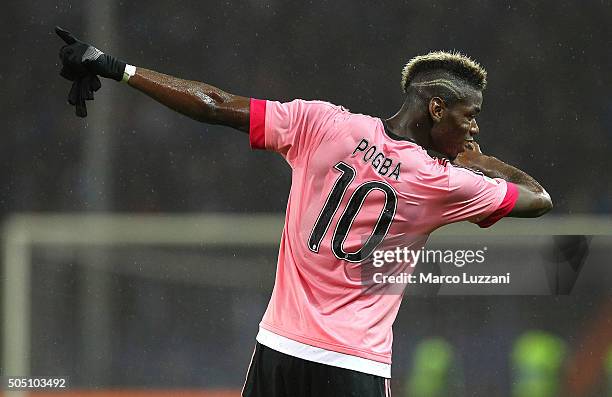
82	90
80	59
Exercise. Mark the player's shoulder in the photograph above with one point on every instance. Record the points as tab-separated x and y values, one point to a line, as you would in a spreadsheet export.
436	160
356	120
430	165
438	164
317	103
456	176
314	110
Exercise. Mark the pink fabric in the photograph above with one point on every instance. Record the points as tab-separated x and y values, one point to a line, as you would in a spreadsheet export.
319	299
257	123
504	208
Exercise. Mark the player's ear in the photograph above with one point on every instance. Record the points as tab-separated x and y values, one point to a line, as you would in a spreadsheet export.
437	106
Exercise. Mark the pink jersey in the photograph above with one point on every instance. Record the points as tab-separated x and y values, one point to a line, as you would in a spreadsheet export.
353	183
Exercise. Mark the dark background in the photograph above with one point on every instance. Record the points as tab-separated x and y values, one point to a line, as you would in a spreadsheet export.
547	110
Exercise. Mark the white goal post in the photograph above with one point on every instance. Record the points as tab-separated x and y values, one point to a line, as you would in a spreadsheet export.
21	232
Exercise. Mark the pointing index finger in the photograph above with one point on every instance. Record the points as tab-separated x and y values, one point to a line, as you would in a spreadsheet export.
65	35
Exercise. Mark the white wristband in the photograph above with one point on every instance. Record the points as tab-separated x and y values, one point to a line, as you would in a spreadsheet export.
128	72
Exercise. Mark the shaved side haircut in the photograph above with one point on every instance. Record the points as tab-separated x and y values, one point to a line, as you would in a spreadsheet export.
448	75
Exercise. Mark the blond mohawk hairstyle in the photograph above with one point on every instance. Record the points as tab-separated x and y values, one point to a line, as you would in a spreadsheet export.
455	63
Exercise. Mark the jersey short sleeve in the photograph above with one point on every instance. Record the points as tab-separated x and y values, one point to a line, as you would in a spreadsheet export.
293	128
475	197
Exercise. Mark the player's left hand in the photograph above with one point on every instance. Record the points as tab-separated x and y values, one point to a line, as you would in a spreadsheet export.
82	63
79	58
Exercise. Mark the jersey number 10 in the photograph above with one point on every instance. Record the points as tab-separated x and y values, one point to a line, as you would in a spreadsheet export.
350	212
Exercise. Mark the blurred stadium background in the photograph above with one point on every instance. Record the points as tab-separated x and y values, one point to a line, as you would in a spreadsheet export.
139	246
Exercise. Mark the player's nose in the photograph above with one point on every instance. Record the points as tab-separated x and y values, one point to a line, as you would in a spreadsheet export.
474	130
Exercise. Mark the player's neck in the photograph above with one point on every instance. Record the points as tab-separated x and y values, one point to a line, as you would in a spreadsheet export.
408	125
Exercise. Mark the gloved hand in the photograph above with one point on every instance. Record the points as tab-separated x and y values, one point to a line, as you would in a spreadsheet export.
82	90
79	58
81	64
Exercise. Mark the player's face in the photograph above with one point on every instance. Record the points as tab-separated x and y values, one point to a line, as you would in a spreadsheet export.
457	124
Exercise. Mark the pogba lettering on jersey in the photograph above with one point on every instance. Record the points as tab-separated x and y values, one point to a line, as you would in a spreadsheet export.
384	165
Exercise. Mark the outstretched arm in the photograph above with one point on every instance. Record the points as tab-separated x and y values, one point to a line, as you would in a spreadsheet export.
83	63
533	200
194	99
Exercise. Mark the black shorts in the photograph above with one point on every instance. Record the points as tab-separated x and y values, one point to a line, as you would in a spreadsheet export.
274	374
